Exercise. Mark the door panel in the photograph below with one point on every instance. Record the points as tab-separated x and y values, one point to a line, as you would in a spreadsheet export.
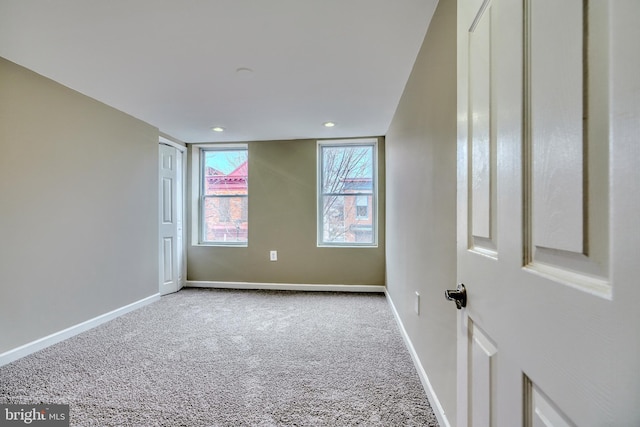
167	261
482	143
555	36
167	200
548	106
482	377
540	411
566	149
480	101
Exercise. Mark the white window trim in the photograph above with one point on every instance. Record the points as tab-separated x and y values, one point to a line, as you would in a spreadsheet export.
196	193
374	200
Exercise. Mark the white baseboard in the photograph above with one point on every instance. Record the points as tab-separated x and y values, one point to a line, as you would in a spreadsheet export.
284	286
431	394
56	337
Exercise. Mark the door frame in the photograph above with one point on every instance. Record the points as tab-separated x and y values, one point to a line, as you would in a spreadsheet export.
181	206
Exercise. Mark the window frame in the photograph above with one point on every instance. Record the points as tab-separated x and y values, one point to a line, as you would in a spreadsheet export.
373	208
199	196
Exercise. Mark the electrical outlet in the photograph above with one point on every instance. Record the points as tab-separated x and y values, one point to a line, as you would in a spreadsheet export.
273	255
416	306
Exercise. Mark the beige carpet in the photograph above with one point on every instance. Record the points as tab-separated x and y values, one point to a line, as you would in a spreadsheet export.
204	357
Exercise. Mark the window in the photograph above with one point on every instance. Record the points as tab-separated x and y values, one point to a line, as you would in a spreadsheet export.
224	195
347	193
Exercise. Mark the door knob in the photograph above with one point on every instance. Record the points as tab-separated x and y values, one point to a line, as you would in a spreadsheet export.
459	296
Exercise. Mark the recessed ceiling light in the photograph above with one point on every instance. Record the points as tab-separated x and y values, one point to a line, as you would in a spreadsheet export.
244	71
328	124
217	129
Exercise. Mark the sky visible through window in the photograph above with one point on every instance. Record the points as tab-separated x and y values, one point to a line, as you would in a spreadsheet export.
225	161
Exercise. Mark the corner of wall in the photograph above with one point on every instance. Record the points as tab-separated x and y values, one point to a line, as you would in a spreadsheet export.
421	210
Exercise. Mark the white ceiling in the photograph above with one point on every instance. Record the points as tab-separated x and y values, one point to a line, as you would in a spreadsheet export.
173	63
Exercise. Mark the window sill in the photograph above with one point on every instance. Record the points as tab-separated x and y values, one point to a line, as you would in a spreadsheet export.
349	246
222	245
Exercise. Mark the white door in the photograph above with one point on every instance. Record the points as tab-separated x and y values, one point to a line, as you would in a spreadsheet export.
548	212
171	217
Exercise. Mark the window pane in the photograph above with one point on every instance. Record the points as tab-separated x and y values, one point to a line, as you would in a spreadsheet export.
225	172
225	219
347	196
333	219
342	221
347	169
224	201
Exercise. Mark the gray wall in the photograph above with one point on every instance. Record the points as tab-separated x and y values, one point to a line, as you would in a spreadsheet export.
282	217
421	205
78	214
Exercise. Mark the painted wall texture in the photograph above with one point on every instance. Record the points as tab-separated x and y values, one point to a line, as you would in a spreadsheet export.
282	217
85	243
421	205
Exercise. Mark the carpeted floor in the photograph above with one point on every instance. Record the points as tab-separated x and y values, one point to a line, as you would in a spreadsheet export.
204	357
